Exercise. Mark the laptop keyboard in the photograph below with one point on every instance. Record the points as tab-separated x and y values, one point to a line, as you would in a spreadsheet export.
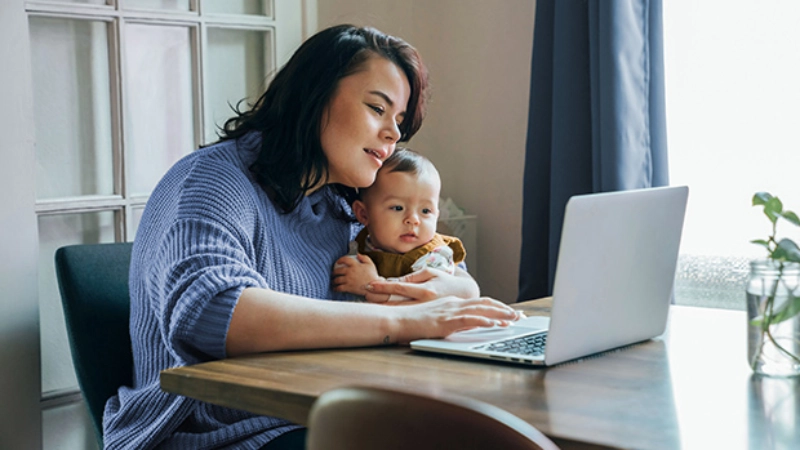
532	345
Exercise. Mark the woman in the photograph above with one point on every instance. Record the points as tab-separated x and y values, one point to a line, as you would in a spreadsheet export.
235	248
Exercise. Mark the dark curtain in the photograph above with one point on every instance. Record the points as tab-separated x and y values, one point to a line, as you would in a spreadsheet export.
596	120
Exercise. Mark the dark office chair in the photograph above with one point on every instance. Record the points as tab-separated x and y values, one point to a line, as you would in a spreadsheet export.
93	280
365	418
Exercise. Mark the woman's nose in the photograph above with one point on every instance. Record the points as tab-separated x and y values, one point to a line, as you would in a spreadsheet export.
392	132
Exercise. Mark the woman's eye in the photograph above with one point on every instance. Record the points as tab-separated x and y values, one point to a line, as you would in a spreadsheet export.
377	109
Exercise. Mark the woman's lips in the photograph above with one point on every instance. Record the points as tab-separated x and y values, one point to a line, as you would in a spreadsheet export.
376	155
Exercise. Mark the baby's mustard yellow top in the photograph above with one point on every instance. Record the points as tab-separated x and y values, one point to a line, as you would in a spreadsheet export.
393	265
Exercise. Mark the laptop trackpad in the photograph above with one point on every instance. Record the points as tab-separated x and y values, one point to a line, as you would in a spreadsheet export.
527	325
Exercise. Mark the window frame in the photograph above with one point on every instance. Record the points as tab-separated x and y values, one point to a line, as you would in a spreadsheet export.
122	203
116	16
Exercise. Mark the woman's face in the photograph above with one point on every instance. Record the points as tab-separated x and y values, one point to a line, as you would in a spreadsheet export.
360	124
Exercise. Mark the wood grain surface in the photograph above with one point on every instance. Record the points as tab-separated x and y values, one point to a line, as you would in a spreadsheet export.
666	393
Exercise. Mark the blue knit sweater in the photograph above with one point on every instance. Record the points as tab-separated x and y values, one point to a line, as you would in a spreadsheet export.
207	233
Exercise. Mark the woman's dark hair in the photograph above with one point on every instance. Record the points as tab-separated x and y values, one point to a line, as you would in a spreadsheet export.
288	115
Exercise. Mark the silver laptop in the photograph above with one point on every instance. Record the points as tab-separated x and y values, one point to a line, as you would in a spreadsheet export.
613	284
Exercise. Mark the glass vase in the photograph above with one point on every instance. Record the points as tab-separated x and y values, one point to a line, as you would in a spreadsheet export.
773	304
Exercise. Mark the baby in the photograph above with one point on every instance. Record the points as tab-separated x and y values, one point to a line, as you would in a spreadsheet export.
399	213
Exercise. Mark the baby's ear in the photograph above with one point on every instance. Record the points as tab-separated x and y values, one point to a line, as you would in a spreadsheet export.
360	210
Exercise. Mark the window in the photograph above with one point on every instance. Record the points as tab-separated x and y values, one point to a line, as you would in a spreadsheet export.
122	90
733	105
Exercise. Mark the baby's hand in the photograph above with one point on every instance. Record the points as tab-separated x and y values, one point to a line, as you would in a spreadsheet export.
352	273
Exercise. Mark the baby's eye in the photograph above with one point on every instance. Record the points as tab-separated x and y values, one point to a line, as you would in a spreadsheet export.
427	211
396	208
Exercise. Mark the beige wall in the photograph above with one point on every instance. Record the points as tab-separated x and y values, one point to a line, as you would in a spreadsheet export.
478	53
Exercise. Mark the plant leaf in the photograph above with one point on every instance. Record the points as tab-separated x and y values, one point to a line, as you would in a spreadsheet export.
790	251
761	242
791	217
773	209
761	198
775	204
789	309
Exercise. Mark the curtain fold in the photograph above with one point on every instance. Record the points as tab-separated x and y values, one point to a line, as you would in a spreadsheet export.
596	121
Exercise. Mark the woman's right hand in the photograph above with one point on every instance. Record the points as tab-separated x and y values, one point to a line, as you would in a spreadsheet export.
424	285
442	317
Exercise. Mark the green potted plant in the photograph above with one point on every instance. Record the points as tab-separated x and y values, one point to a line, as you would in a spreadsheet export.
773	297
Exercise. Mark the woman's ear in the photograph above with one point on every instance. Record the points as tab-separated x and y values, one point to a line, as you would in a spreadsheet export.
360	210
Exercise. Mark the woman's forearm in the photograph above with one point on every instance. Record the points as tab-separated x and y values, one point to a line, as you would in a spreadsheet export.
266	320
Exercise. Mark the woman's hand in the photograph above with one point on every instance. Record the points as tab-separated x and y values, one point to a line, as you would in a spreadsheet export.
442	317
424	285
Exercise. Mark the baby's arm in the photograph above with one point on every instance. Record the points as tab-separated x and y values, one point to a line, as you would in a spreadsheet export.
353	272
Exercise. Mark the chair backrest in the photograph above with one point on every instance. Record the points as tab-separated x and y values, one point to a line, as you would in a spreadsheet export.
361	418
93	280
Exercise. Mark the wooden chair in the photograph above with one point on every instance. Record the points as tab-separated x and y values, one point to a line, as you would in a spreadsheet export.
93	280
365	418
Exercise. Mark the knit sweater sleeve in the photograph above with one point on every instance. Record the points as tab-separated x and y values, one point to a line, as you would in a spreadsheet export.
204	261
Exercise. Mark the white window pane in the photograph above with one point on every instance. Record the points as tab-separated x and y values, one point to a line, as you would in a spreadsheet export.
732	115
236	70
56	231
72	109
179	5
237	7
711	281
159	118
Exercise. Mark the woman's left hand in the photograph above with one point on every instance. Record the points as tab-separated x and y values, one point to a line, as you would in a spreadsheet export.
425	285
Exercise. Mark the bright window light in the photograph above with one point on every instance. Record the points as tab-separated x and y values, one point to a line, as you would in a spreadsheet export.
733	115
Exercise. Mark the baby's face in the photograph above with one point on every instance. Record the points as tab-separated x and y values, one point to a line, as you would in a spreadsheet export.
401	210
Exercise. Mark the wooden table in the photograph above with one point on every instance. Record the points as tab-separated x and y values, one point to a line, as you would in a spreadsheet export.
690	388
